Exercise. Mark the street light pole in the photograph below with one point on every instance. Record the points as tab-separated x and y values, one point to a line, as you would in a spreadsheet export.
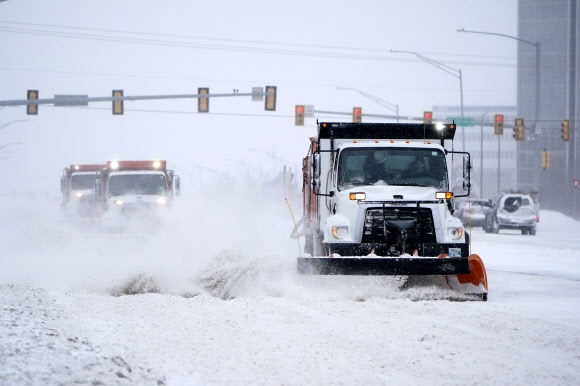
537	126
481	155
386	104
537	80
450	70
291	165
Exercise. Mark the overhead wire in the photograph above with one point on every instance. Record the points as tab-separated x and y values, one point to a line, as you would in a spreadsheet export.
264	47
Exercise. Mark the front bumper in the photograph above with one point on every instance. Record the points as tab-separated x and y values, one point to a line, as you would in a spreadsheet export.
383	266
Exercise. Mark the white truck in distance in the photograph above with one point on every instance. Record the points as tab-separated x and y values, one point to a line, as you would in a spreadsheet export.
78	184
377	201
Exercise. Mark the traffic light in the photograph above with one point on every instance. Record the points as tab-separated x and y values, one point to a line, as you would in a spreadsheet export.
118	107
498	124
299	115
270	104
566	130
357	114
427	117
203	102
519	130
545	159
32	109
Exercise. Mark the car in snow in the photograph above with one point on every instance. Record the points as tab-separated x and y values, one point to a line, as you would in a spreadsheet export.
472	210
512	211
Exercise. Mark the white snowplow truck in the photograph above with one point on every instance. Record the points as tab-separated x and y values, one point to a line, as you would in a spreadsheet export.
134	191
78	186
377	201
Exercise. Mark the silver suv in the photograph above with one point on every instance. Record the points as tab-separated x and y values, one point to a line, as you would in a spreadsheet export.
472	211
512	211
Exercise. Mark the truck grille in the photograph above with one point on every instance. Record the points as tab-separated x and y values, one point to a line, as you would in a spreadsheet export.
387	225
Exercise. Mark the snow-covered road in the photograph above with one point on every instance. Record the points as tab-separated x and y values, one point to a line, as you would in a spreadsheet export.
228	308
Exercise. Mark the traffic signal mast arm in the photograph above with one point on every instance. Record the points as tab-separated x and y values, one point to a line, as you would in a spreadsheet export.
83	100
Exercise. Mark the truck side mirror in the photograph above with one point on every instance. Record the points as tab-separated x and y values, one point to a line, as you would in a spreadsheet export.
466	167
316	164
177	185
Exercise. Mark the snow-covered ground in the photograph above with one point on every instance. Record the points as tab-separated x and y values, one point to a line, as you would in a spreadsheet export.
217	301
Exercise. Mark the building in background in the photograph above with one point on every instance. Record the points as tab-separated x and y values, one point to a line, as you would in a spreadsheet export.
548	33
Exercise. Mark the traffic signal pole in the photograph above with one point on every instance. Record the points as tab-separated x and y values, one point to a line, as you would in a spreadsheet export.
257	94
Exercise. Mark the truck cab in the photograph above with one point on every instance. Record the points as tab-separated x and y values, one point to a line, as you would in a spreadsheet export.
78	188
129	190
382	189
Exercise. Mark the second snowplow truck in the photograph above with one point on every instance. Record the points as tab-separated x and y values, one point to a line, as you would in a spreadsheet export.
377	200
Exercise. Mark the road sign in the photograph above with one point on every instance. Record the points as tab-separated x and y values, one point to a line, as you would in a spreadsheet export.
257	94
71	100
462	121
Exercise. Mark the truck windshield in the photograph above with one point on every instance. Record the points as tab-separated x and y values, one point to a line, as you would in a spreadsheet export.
392	166
83	181
146	184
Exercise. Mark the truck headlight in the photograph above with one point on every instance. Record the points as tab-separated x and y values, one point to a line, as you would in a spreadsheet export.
357	196
78	194
162	200
118	202
339	232
444	195
455	233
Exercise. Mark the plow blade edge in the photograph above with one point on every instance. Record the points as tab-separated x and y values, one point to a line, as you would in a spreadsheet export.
382	266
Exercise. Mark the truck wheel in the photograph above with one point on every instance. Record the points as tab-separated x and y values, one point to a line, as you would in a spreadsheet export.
533	231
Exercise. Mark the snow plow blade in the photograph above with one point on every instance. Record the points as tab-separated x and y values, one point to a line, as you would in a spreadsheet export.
476	278
465	275
383	266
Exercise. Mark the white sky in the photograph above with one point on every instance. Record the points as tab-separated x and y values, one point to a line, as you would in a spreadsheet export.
68	47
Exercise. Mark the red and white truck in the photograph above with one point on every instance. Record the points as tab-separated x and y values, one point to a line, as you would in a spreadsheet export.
134	190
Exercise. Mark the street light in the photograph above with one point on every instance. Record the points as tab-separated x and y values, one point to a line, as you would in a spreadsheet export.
450	70
386	104
536	85
537	82
11	122
10	143
291	165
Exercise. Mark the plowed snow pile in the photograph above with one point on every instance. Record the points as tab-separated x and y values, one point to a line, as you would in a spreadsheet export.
218	253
